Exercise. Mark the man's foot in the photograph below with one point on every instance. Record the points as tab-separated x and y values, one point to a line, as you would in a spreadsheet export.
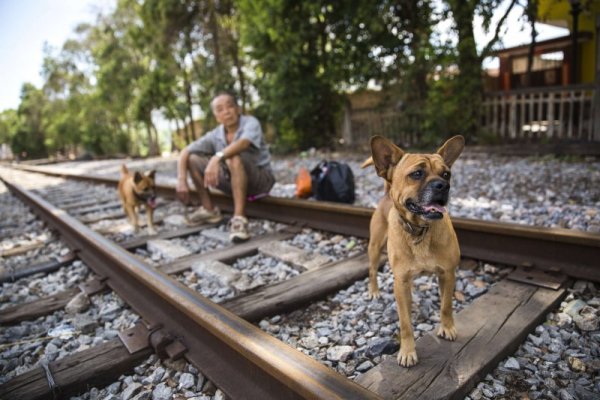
238	229
204	215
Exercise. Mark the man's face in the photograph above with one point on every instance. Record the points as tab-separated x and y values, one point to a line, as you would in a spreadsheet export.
225	110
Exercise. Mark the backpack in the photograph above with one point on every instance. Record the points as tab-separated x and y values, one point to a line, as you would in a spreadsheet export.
333	181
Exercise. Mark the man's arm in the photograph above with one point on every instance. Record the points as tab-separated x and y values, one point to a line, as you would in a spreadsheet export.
236	147
211	174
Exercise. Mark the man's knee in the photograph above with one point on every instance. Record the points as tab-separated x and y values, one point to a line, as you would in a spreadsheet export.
196	163
235	164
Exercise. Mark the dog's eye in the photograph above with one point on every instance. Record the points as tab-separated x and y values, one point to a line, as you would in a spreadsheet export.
416	175
446	175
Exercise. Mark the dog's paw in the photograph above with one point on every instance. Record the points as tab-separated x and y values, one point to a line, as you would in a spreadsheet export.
151	231
374	294
407	359
447	332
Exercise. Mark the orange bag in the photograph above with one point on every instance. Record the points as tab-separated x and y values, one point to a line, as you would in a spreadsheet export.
303	184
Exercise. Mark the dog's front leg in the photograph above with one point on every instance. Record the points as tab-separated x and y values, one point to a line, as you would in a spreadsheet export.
407	356
375	245
150	218
377	239
132	217
446	279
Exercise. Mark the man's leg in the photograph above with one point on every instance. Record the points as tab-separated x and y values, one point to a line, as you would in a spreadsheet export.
245	178
239	184
196	166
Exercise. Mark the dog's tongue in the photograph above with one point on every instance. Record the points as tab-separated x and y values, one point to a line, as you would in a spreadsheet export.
152	202
434	207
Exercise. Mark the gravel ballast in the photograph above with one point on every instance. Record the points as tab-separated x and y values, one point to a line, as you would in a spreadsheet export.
347	331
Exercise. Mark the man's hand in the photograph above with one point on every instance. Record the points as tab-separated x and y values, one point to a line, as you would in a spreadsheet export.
211	173
183	191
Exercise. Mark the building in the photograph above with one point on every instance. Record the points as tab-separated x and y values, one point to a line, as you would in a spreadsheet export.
559	100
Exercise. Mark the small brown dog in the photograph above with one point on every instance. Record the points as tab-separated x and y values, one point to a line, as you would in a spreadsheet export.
420	238
134	190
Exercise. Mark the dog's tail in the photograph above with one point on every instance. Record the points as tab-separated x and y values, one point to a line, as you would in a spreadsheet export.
367	162
124	170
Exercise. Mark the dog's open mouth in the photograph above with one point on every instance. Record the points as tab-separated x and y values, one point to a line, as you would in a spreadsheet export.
151	201
427	211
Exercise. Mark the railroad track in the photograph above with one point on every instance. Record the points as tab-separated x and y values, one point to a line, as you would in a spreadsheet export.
218	339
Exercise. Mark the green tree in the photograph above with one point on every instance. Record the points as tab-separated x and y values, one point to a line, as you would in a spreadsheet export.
9	125
168	28
468	87
290	61
28	141
65	86
412	53
305	53
118	66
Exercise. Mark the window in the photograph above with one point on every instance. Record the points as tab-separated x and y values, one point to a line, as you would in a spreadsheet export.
541	62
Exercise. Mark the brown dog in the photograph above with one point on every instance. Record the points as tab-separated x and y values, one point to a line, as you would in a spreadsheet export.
134	190
420	237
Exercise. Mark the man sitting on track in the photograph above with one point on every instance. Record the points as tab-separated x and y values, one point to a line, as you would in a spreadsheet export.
234	158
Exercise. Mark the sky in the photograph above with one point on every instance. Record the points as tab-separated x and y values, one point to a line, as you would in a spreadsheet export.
515	32
25	25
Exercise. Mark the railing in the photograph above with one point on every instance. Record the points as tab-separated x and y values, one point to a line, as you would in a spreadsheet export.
536	114
395	125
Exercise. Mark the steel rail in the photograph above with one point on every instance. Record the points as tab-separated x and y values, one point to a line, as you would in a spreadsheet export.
242	360
572	252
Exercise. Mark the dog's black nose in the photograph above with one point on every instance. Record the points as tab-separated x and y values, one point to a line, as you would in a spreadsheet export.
440	185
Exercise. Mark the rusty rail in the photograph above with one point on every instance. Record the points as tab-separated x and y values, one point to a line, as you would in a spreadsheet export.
242	360
574	253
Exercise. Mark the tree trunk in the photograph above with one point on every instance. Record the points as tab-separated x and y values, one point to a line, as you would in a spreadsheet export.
117	131
155	141
240	73
469	88
417	79
150	138
531	12
188	99
133	145
178	132
214	30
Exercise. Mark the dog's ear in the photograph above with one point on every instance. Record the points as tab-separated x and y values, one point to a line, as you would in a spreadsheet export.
452	149
151	174
137	177
385	156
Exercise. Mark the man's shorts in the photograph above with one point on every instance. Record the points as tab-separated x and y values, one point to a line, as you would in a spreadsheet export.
260	179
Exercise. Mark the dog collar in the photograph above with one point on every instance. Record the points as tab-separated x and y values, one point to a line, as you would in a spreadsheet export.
417	232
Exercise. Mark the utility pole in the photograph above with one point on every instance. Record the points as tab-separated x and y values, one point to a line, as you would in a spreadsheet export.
575	10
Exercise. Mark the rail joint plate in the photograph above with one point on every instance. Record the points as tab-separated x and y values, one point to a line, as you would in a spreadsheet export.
136	338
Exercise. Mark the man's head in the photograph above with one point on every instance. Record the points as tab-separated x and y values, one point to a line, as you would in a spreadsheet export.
225	108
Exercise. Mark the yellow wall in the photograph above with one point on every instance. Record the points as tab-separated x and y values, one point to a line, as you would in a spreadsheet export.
558	12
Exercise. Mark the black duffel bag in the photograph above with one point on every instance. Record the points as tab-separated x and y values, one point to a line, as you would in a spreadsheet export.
333	181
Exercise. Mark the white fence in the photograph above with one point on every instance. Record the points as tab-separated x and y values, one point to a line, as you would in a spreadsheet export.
549	114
